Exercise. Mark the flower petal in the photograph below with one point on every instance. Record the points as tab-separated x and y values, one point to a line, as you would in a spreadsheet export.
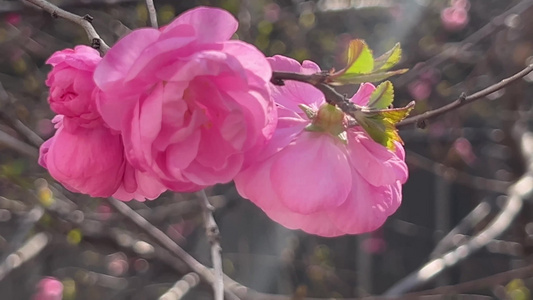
311	174
367	207
211	24
375	163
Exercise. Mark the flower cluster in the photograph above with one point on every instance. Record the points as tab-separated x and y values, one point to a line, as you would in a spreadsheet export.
327	180
184	107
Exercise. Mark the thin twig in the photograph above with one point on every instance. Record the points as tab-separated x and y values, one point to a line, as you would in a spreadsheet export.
213	235
455	175
182	287
466	44
17	145
85	22
152	13
463	99
317	80
14	122
349	108
205	273
24	227
474	218
519	191
27	251
477	284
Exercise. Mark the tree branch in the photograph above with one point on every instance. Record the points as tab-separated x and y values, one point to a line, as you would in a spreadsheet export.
27	251
152	13
213	235
519	191
317	80
463	100
85	22
17	145
182	287
165	241
467	43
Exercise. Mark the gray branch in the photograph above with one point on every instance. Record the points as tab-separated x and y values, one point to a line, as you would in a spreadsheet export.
152	13
85	22
213	235
517	192
182	287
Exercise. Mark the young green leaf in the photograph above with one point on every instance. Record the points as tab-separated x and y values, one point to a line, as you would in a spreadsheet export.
389	59
360	59
382	96
380	124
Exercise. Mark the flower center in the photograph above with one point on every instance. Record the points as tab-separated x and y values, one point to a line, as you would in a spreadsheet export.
328	118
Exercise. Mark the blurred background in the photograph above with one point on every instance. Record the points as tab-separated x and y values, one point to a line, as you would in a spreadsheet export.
461	164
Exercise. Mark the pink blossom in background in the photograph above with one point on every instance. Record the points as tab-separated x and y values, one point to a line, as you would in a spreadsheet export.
464	149
192	106
85	155
454	18
315	181
13	18
49	288
419	89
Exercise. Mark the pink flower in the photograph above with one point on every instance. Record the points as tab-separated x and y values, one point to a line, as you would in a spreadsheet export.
329	181
49	288
419	89
192	106
454	18
85	155
85	160
71	85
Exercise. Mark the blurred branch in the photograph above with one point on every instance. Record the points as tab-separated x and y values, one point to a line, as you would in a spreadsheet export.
165	241
152	13
476	216
213	235
17	145
486	282
22	129
464	99
455	175
25	226
465	44
30	249
519	191
85	22
182	287
15	123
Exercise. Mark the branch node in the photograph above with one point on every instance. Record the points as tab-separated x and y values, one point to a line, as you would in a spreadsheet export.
422	123
462	97
277	81
96	43
55	15
88	18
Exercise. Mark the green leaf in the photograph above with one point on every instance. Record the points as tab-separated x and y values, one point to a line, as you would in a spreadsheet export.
389	59
360	78
360	59
382	96
380	124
